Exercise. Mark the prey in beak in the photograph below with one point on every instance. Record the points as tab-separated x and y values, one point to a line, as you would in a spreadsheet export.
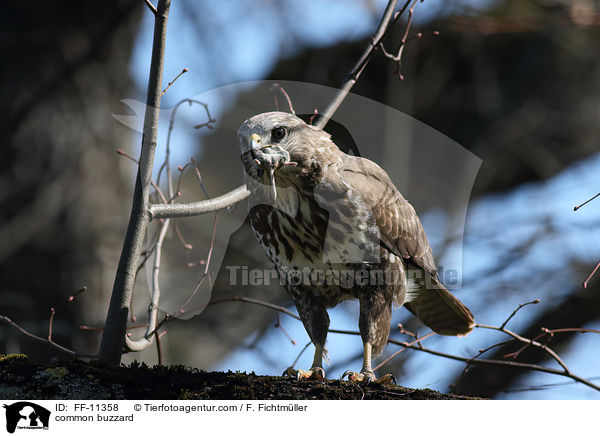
267	158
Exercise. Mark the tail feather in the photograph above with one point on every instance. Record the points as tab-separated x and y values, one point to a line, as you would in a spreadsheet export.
441	311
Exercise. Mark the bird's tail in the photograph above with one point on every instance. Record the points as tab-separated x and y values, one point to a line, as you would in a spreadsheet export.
441	311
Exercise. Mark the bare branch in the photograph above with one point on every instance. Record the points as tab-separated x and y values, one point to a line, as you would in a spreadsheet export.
43	340
178	210
573	329
509	363
591	275
385	24
398	57
146	341
113	337
151	7
48	340
416	345
529	342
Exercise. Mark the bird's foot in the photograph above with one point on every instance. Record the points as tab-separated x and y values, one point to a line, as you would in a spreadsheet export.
315	373
366	377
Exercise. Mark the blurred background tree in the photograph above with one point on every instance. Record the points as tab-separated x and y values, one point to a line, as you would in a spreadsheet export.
513	81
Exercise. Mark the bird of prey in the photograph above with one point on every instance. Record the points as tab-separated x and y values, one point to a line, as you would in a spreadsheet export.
336	228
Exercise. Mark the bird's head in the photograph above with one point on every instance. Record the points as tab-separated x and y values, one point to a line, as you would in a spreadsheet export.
276	142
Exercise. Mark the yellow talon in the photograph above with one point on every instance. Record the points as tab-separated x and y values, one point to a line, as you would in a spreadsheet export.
369	377
315	373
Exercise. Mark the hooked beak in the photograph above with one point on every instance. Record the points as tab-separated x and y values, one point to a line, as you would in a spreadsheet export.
255	142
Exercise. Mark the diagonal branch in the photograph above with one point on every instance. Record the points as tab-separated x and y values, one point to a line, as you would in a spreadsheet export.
151	7
387	22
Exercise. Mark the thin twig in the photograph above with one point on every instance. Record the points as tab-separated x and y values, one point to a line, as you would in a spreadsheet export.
53	309
154	185
481	351
312	117
572	329
185	70
393	356
536	301
212	242
128	156
205	274
160	193
586	202
186	245
170	131
591	275
277	86
157	336
199	176
530	342
283	330
45	340
405	39
300	354
179	180
151	7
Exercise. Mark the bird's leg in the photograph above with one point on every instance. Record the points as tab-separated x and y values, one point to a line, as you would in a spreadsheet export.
366	368
366	374
373	323
316	321
316	372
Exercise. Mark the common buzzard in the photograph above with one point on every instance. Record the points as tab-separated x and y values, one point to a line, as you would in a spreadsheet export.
336	228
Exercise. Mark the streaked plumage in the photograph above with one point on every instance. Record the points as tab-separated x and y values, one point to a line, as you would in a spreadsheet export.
334	212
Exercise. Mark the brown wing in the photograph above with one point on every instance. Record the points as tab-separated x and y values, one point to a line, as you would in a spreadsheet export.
401	233
400	228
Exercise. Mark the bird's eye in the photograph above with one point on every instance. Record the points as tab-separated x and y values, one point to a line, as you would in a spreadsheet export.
278	133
